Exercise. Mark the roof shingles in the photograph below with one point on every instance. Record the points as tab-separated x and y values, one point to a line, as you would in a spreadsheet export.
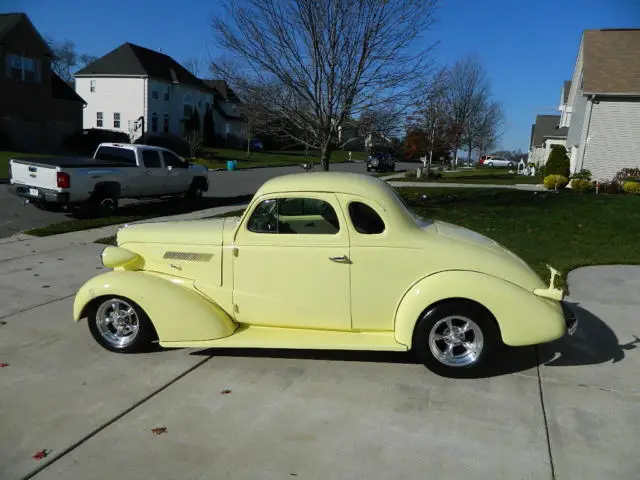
130	59
611	61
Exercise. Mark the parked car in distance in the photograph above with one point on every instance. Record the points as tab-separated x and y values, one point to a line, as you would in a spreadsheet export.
116	171
381	162
321	260
491	161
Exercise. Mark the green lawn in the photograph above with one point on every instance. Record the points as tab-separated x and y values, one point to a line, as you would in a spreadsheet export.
567	230
5	156
480	176
275	158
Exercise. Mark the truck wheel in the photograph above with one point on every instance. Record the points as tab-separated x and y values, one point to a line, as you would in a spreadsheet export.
456	339
196	191
120	325
106	205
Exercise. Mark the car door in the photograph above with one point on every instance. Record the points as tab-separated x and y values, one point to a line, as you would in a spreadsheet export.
178	175
291	264
154	175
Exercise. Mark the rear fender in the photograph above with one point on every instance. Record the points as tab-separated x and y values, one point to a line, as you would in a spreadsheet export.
177	313
522	317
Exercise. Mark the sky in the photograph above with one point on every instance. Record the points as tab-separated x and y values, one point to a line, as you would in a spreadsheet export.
528	47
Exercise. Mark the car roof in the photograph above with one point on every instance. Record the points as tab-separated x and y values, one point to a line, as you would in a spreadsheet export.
335	182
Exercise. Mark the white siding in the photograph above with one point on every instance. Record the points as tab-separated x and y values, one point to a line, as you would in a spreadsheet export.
577	120
613	140
174	107
123	95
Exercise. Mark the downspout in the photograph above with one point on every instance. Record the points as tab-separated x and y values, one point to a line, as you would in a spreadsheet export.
145	105
585	137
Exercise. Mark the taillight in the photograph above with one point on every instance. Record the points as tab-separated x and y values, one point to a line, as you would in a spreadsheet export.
64	181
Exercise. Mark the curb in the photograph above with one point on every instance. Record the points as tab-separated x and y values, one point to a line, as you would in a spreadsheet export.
277	166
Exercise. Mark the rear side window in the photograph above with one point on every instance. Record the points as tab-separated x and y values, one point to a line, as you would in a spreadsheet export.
151	159
365	219
115	154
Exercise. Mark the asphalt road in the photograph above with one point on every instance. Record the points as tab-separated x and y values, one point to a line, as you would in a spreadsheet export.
15	216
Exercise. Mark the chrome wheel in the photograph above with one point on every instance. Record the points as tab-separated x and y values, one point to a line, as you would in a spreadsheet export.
456	341
107	206
117	322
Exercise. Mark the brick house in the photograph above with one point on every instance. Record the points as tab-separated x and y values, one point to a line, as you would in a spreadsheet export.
37	108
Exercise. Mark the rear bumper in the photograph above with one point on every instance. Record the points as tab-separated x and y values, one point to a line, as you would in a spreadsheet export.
43	195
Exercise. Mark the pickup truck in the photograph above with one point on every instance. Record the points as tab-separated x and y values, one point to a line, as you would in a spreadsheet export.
116	171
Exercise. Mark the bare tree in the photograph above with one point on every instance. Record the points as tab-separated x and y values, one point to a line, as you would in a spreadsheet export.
193	65
490	129
468	90
330	60
432	116
65	59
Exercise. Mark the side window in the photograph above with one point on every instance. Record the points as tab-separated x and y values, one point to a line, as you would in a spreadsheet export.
302	216
171	160
151	159
365	219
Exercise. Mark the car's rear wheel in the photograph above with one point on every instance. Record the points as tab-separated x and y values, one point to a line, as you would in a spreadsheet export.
456	338
120	325
490	164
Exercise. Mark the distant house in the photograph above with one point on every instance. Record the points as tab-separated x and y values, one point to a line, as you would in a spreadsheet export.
545	133
138	90
604	103
37	108
228	111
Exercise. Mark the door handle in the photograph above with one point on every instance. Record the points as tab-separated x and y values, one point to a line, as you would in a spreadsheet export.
148	172
340	259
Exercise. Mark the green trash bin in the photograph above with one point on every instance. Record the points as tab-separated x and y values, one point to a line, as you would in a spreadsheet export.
231	165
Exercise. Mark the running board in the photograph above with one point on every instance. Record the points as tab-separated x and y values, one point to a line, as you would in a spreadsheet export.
293	338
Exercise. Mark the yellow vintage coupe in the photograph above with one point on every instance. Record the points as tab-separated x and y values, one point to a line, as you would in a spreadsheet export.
322	260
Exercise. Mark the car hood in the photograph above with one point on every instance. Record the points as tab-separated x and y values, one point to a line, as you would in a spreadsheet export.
189	232
481	253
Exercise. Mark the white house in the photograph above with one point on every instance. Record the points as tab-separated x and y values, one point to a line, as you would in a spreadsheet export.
545	133
134	89
604	103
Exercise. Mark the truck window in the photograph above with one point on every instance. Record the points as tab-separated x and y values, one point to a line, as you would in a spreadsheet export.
171	160
151	159
115	154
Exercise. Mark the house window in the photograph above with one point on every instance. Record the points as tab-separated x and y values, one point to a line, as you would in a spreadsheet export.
116	120
188	110
154	94
92	86
22	68
99	119
165	126
166	95
154	123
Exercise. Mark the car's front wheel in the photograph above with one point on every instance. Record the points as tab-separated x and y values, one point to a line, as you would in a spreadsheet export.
120	325
456	338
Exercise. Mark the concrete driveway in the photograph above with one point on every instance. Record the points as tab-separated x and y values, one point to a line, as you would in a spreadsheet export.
16	217
566	410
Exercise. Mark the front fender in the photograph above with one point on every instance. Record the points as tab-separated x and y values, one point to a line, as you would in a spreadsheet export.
177	313
523	318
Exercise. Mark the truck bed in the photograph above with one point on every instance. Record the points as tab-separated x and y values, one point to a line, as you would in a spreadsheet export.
70	162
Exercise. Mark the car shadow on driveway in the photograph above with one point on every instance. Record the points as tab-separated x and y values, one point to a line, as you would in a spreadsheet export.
593	343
